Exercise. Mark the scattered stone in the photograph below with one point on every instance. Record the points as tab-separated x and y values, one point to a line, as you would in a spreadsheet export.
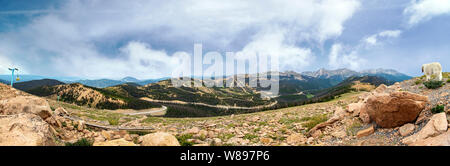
193	130
365	132
296	139
310	141
406	129
339	134
217	141
265	141
128	137
159	139
60	111
80	125
106	135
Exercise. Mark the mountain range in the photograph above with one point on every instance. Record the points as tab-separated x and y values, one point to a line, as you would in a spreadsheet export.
337	76
103	83
130	93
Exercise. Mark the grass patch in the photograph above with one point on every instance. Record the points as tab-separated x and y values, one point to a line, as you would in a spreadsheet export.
353	128
288	121
183	139
312	121
81	142
438	109
152	120
113	121
226	136
250	136
417	82
433	84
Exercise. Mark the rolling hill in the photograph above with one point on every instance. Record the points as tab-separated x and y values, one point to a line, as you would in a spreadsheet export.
4	81
353	83
92	97
28	85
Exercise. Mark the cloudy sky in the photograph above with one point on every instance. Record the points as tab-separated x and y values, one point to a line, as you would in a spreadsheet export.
117	38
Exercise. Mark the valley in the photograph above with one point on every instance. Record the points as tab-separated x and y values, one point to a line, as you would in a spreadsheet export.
295	89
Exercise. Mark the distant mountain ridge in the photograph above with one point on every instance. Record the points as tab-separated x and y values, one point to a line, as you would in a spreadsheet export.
28	85
339	75
103	83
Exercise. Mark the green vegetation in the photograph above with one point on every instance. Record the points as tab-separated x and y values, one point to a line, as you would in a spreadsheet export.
183	139
113	121
250	136
288	121
353	128
81	142
226	136
311	122
438	109
417	82
433	84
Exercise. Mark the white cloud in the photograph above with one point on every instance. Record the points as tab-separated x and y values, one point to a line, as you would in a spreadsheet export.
390	33
275	43
67	41
339	57
423	10
4	64
374	39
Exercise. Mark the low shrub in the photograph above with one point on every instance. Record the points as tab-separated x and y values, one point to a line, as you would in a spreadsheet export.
81	142
438	109
433	84
183	139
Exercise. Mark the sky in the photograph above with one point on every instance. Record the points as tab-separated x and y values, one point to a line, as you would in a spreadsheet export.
139	38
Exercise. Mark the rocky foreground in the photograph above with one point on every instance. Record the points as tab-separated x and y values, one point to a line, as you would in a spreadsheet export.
396	115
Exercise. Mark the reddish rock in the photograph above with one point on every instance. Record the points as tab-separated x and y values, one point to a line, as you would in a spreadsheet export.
365	132
394	109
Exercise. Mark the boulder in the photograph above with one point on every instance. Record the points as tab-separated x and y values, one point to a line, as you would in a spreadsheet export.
394	109
437	125
26	104
406	129
365	132
159	139
440	140
25	130
117	142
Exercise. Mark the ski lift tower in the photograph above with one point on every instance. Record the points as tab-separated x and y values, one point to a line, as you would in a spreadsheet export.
12	75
